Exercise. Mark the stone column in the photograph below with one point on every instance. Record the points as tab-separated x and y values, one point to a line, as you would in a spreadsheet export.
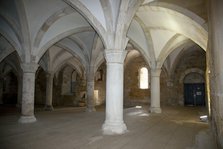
215	61
90	94
114	123
90	89
49	91
28	89
155	91
1	90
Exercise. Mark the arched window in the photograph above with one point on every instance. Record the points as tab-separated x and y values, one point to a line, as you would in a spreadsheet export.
143	78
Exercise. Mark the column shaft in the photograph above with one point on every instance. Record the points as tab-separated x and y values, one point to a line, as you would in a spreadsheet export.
155	91
90	96
28	89
114	123
49	92
215	61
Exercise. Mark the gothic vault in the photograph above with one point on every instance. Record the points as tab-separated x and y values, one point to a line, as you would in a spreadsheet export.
121	53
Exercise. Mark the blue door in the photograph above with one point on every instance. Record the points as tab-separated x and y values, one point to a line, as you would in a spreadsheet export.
194	94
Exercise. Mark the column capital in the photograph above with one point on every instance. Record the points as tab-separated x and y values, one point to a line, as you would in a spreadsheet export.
29	67
155	72
115	56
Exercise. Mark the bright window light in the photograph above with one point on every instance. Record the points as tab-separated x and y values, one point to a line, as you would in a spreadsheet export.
143	78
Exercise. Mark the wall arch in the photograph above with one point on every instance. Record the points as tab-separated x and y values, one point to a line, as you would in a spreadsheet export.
188	71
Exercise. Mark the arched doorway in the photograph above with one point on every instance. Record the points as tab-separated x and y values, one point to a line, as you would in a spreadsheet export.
194	89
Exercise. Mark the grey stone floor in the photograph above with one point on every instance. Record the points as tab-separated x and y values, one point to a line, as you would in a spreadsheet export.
175	128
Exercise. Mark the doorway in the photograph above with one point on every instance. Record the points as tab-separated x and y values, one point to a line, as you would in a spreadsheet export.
194	94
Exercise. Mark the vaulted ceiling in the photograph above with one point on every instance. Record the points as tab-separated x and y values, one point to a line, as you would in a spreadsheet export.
78	31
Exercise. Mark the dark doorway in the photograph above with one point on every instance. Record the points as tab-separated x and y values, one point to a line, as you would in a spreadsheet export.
10	89
194	94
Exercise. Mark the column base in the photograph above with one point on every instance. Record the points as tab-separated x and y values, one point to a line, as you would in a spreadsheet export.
114	128
155	110
90	109
27	119
48	108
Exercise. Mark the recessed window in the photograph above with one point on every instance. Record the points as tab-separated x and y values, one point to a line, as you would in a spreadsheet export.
143	78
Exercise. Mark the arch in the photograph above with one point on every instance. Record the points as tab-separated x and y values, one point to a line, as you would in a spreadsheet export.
90	17
11	23
181	10
97	54
137	27
80	44
194	77
188	71
144	55
9	67
179	20
73	75
76	54
164	70
198	27
132	54
127	11
14	63
13	43
65	63
25	39
174	43
58	38
46	25
183	48
6	53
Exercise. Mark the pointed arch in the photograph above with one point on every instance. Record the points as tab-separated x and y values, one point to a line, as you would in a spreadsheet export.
76	4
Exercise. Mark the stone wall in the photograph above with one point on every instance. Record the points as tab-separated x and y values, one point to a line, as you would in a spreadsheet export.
9	80
172	88
100	85
165	89
67	90
133	95
192	62
40	87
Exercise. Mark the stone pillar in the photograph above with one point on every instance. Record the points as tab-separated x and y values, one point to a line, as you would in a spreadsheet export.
90	89
114	123
49	91
28	89
90	96
1	90
215	61
155	91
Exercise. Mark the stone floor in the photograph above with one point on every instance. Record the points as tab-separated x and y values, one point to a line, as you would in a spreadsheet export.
175	128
